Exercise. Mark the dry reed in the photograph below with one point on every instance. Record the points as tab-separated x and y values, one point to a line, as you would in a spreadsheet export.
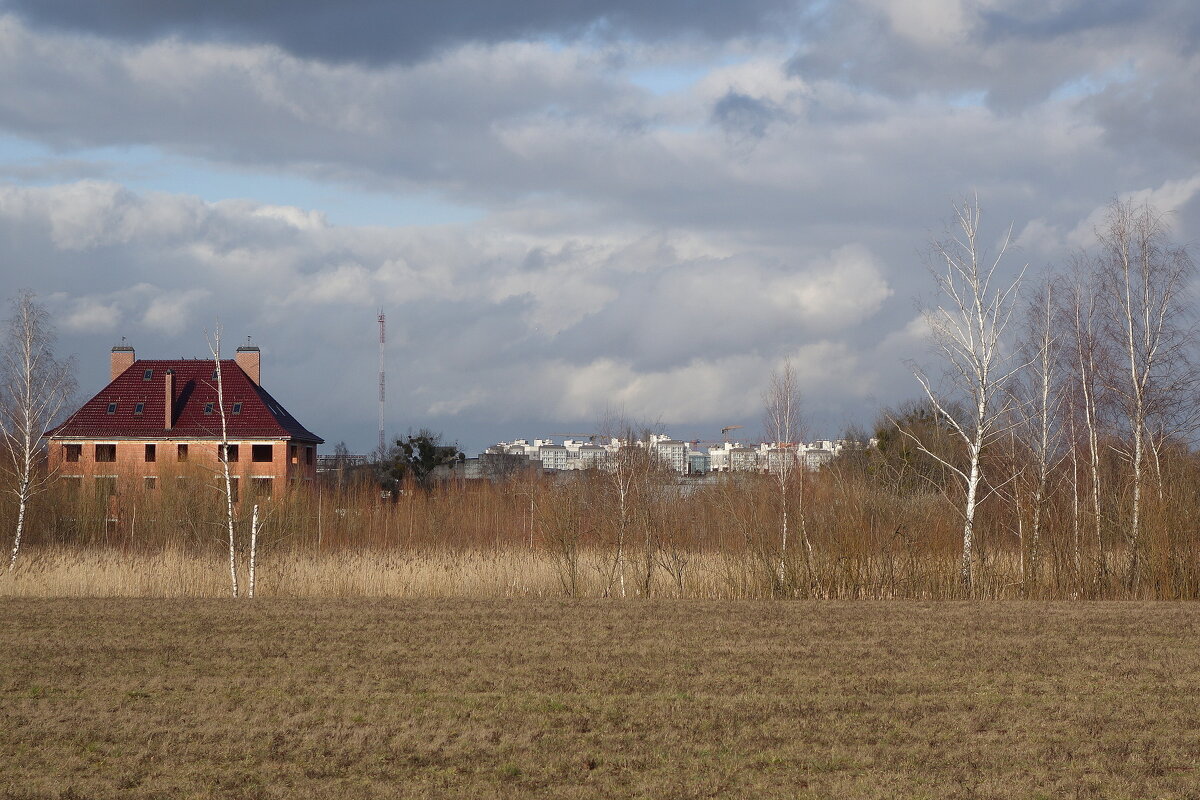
865	538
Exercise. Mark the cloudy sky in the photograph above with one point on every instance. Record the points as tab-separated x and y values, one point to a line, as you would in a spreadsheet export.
563	206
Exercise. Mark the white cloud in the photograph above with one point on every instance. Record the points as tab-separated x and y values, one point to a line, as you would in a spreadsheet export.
843	289
172	312
927	22
298	218
89	315
1169	197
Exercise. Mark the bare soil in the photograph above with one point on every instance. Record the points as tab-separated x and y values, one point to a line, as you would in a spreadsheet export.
597	699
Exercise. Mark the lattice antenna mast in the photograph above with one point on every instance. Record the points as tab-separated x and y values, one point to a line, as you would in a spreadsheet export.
382	380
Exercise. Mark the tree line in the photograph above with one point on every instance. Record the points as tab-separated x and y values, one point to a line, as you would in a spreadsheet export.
1068	403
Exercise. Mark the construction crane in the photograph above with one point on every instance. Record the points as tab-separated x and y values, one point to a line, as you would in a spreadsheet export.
725	431
592	437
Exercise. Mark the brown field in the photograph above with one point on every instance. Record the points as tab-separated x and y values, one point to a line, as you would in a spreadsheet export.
178	698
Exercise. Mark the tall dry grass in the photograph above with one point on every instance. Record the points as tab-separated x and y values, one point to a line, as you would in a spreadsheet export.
856	533
494	573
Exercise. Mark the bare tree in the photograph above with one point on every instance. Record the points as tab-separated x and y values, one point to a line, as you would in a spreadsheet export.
629	468
1087	357
562	524
1038	394
214	347
784	426
34	388
1144	279
968	329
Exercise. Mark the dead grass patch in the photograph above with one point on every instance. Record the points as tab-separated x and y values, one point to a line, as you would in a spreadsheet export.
580	699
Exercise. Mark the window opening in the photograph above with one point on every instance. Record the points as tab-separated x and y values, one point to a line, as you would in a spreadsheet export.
151	453
112	408
148	374
138	409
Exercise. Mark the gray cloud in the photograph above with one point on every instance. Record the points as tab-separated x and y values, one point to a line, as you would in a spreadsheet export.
379	31
1012	54
744	116
650	233
492	126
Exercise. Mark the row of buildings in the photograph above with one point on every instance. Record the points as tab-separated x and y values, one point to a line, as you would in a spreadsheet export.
681	457
160	420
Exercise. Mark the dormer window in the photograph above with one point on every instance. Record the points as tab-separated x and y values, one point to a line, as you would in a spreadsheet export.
237	408
148	374
138	409
112	408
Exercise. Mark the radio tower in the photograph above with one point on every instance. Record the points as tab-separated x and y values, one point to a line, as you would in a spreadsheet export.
382	340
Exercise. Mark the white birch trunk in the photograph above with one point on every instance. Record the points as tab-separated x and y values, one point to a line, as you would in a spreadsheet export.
253	551
223	457
16	548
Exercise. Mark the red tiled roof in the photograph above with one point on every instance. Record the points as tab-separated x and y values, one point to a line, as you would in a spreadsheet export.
258	415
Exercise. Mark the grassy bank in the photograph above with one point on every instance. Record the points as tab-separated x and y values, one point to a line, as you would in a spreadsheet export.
574	699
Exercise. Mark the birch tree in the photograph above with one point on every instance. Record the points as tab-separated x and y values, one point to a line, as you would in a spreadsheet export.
1038	393
1144	280
784	426
214	347
967	328
628	468
34	389
1081	312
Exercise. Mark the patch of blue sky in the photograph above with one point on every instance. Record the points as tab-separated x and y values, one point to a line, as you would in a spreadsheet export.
976	98
144	168
664	79
1090	84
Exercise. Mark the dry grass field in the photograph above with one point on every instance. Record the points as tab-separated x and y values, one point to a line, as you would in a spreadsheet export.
443	698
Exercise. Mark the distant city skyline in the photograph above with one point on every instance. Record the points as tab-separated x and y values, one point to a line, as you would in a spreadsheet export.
564	209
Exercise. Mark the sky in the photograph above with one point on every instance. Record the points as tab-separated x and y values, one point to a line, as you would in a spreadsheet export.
567	209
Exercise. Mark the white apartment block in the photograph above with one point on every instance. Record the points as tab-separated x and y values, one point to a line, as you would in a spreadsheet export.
554	456
678	455
671	452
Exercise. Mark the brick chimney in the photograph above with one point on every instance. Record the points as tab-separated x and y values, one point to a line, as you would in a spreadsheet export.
250	360
122	359
169	400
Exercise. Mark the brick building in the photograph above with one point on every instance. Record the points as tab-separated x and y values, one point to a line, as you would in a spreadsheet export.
158	420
